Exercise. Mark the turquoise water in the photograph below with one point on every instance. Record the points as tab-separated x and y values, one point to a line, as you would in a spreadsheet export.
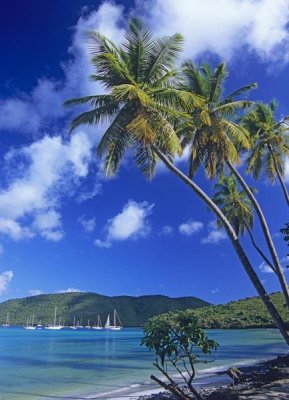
70	364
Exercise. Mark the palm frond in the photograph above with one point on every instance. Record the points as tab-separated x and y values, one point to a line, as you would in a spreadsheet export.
163	55
137	45
216	84
243	91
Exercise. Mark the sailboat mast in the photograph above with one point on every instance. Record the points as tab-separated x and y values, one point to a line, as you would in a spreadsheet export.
55	316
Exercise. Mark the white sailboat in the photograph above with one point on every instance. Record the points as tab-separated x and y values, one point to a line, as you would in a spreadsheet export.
54	326
73	326
28	326
99	324
79	325
88	325
117	325
7	324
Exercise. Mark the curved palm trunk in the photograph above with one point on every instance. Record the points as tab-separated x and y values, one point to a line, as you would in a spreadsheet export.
267	261
234	240
267	235
283	186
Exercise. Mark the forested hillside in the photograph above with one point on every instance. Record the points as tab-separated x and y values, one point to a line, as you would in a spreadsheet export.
133	311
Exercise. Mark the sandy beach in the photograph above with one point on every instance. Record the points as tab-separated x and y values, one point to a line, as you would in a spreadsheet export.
264	380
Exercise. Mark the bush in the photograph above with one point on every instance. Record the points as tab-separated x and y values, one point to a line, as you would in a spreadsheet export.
179	344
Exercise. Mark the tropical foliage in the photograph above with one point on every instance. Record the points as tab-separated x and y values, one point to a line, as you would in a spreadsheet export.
270	144
213	136
156	112
178	343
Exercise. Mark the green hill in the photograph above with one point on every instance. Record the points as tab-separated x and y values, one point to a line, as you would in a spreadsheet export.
133	311
247	313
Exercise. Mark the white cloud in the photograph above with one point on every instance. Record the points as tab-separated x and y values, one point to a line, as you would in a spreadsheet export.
224	27
53	167
90	194
70	290
14	230
105	244
131	223
39	110
87	224
214	235
35	292
264	267
166	230
190	227
5	279
49	225
215	290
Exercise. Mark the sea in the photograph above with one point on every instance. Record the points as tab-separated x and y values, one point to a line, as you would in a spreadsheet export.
86	364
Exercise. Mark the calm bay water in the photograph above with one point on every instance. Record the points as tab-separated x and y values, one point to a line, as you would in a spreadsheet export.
70	364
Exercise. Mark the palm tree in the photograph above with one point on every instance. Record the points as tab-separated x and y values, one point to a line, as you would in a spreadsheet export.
141	106
215	140
237	207
270	144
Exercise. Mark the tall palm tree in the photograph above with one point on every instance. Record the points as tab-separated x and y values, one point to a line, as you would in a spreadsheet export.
142	106
215	140
237	207
270	144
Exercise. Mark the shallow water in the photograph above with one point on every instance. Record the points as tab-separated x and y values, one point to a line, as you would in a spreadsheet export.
65	364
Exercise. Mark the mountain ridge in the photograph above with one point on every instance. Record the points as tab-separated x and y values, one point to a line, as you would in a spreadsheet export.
133	311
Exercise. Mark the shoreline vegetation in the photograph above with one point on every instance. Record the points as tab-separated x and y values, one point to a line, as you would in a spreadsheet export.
134	312
264	380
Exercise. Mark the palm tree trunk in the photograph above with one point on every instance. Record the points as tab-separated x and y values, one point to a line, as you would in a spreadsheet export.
234	240
267	261
285	191
267	235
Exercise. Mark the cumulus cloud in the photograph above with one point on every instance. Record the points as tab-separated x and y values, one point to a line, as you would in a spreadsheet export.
221	27
214	235
5	279
224	27
39	110
87	224
166	230
70	290
263	267
49	225
190	227
131	223
53	167
35	292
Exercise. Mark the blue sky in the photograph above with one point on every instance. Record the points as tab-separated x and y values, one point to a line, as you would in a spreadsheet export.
63	226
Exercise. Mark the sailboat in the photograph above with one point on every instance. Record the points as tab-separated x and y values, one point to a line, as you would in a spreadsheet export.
73	326
28	326
7	324
79	326
54	326
88	325
99	324
117	325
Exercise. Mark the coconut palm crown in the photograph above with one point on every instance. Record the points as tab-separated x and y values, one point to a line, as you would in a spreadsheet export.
141	104
270	144
213	136
234	203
